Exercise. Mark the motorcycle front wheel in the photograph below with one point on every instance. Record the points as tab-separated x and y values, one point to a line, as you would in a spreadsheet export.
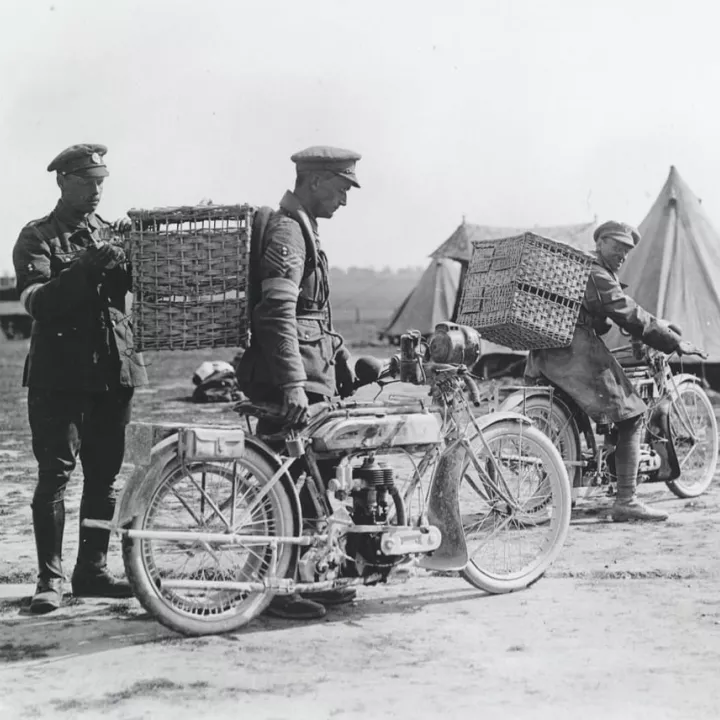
515	500
209	497
694	431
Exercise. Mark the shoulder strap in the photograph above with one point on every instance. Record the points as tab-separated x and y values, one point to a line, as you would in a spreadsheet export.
258	243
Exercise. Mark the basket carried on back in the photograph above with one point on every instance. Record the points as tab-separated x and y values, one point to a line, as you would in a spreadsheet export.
190	269
524	292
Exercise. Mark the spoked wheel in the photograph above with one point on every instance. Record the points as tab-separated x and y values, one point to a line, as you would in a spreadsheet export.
515	516
695	433
177	581
553	419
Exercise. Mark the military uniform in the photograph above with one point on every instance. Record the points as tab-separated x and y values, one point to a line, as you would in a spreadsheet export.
81	367
293	343
586	370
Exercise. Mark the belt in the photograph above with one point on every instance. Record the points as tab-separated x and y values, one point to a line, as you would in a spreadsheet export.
311	316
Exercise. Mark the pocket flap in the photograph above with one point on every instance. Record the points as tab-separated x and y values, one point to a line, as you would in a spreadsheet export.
310	331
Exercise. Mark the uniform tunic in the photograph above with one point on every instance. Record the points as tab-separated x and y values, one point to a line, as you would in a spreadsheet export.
292	342
586	370
81	334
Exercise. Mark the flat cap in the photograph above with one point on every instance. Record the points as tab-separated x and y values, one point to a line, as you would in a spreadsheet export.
86	159
620	231
335	160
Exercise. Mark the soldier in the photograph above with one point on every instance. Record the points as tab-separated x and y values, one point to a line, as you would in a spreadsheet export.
80	371
295	357
590	374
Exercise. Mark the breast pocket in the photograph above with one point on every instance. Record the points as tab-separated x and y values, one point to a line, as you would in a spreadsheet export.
62	260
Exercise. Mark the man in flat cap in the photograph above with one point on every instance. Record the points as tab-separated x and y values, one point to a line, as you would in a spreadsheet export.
295	357
80	371
588	372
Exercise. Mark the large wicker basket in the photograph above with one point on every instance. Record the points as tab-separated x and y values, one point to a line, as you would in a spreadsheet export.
524	292
190	267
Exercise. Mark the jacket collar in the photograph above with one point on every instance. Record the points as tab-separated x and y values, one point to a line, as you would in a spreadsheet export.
292	205
599	260
72	222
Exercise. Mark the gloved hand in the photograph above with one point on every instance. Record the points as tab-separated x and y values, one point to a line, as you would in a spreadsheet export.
122	224
295	405
344	373
687	348
102	257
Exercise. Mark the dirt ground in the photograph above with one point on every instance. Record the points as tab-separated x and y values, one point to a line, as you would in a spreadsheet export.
626	624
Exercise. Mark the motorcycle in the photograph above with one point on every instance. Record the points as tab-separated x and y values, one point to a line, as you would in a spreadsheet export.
217	520
680	444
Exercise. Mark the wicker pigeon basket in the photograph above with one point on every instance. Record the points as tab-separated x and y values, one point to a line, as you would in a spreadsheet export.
190	267
524	292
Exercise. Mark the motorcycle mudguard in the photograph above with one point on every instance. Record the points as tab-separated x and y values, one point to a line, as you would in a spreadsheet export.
661	441
152	460
443	507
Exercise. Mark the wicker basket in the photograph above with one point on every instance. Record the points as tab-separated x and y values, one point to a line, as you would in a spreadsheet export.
524	292
190	267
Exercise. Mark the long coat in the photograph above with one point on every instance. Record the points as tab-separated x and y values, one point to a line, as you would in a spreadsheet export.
81	338
292	341
586	370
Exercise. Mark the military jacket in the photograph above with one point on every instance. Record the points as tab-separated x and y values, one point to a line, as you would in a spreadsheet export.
586	370
81	333
292	340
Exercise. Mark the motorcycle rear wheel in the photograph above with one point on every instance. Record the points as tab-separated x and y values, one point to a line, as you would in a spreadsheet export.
512	544
182	500
556	421
698	460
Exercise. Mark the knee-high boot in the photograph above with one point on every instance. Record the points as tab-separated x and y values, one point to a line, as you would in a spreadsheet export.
91	577
49	526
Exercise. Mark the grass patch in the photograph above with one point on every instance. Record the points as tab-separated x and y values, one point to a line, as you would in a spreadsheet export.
13	652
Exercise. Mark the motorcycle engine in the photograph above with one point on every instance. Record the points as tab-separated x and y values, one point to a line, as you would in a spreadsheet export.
374	497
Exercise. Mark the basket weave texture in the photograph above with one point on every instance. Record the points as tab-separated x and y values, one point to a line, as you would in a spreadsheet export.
524	292
190	270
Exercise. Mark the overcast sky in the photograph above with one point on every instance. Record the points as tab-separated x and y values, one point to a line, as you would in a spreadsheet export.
509	112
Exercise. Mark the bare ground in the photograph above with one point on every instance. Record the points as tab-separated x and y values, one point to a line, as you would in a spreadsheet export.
625	625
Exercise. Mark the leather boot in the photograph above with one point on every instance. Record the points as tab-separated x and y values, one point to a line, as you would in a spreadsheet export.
294	607
48	524
631	508
91	577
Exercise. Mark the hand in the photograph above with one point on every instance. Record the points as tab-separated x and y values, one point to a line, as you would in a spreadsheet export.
344	374
687	348
122	225
675	328
295	406
108	256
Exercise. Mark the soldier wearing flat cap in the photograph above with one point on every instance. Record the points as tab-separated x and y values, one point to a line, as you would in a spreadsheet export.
80	371
295	357
588	372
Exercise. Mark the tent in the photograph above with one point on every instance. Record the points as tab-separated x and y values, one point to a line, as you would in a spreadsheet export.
674	272
431	301
435	297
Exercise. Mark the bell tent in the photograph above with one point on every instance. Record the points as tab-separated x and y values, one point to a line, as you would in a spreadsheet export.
674	272
430	302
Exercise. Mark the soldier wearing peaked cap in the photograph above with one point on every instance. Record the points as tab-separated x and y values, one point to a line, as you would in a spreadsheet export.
588	372
80	371
295	357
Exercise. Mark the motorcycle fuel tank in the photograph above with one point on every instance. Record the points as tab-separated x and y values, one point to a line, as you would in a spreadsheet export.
369	432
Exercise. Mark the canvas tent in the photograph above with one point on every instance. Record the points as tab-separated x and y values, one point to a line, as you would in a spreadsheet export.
431	301
435	298
674	272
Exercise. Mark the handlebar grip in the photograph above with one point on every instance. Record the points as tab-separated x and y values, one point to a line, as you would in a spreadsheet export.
473	390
